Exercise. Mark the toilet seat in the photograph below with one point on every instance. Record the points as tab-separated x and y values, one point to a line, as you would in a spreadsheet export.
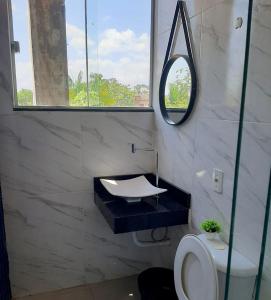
195	273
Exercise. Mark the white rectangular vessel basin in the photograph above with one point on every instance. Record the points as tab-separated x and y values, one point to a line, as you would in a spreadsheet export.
131	189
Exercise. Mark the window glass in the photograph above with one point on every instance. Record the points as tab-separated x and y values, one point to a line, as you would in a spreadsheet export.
93	53
23	61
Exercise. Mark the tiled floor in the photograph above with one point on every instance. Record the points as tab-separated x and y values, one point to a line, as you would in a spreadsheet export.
119	289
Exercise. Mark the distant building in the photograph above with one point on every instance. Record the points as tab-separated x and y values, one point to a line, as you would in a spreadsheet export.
142	100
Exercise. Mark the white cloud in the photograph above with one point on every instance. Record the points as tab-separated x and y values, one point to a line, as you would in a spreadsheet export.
114	41
24	75
133	66
75	66
76	38
125	70
131	69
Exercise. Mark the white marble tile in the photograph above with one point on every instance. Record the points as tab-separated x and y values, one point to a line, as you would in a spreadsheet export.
107	139
252	188
11	145
176	154
45	244
46	228
175	144
47	156
215	148
48	161
48	212
222	60
207	4
179	47
165	12
62	208
33	277
109	255
258	98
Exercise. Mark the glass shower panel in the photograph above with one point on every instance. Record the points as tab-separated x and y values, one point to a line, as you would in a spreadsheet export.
253	154
263	287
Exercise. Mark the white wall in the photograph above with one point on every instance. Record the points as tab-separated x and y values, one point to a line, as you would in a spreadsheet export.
56	237
208	140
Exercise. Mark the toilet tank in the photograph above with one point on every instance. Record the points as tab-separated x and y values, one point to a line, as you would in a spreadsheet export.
243	271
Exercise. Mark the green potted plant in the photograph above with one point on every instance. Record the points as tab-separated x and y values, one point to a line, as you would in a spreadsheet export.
211	228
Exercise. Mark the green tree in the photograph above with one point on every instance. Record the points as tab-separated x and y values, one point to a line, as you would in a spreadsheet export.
78	91
102	92
141	89
179	90
25	97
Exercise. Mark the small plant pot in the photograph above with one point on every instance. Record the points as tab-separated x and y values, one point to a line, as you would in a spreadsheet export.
211	235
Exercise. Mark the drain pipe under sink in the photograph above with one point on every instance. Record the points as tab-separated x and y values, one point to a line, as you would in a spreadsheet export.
165	241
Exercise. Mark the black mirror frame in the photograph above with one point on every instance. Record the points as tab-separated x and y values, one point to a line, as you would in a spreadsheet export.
169	61
193	94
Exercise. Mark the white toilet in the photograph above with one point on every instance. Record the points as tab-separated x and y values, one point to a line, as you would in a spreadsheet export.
200	269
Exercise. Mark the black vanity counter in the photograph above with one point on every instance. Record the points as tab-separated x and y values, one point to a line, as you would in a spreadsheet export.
172	209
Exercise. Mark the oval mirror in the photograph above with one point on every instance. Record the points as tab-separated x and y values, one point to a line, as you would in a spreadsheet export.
177	91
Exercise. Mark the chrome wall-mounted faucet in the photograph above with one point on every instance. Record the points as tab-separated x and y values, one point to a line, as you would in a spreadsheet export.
134	149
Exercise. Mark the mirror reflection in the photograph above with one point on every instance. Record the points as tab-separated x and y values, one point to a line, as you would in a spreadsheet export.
178	90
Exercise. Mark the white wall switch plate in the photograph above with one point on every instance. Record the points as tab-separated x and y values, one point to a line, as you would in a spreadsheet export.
218	180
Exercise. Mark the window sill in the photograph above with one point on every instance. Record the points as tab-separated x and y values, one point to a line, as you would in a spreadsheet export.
81	109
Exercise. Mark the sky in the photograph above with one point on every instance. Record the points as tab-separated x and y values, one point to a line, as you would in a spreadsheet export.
118	40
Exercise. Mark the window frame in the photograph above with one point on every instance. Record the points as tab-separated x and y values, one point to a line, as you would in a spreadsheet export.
85	108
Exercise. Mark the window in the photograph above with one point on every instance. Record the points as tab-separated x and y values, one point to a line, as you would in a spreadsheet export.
82	53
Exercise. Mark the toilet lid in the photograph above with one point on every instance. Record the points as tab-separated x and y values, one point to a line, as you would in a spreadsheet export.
195	273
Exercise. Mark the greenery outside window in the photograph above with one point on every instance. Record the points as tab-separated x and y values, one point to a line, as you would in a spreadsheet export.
82	53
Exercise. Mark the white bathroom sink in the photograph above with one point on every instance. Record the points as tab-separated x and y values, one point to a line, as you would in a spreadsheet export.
133	190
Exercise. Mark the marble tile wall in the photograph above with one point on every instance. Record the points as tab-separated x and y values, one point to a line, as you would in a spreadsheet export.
208	140
56	236
190	152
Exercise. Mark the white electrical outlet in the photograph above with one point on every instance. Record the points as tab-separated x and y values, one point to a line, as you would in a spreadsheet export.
218	180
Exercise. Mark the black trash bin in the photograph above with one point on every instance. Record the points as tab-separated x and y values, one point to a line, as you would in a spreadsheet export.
157	284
